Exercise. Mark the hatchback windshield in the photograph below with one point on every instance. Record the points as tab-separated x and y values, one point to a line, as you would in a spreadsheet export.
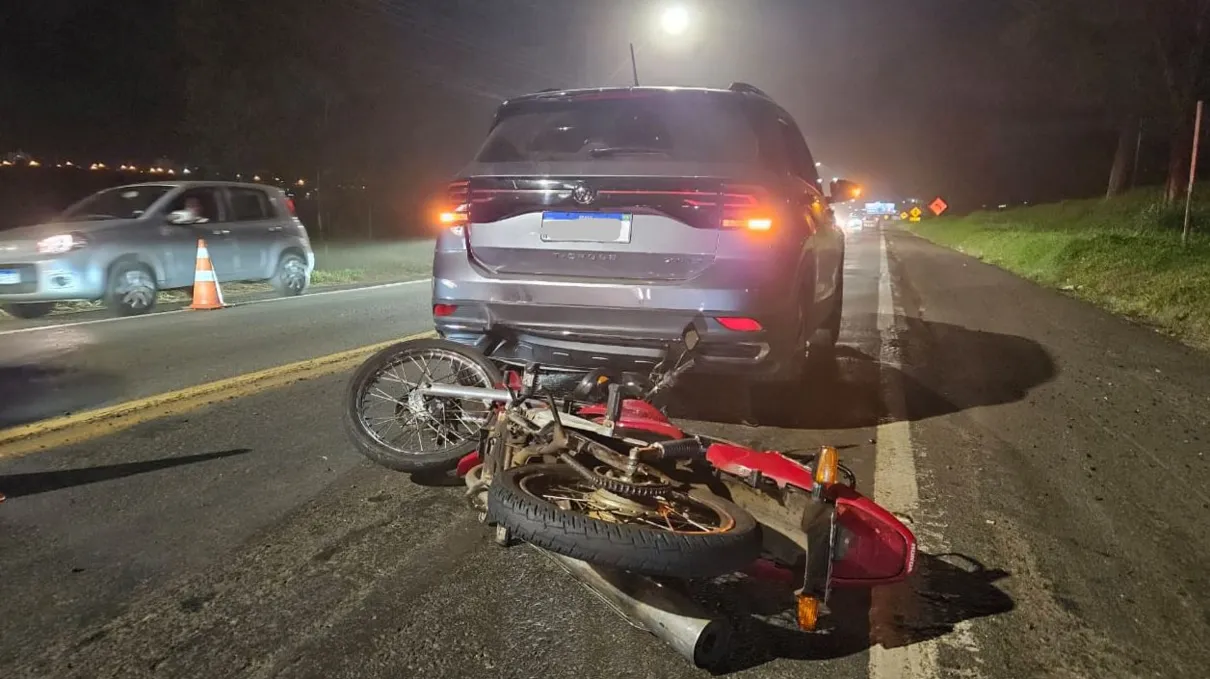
659	127
123	202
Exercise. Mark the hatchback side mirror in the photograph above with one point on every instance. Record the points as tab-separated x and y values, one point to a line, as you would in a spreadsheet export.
180	217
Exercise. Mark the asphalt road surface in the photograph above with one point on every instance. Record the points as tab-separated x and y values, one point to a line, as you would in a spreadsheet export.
1051	458
61	365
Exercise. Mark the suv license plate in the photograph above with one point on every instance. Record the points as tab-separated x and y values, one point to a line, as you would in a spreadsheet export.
10	277
585	227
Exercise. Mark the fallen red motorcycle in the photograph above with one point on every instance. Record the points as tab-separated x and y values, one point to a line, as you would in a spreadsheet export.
625	499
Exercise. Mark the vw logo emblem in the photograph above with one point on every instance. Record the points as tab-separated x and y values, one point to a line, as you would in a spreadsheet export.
583	195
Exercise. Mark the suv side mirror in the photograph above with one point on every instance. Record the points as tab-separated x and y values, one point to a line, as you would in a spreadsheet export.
843	190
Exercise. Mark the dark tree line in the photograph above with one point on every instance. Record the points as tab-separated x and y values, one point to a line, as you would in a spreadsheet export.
393	94
1135	60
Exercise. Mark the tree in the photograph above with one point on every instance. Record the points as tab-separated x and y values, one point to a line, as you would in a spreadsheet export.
1179	31
1132	59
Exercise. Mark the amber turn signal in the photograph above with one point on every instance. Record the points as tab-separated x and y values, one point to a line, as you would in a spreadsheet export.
808	612
827	466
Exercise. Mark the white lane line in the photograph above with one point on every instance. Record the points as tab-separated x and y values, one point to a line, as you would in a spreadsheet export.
74	324
895	484
311	295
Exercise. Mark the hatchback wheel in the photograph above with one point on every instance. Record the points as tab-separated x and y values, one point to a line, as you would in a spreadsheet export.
132	289
30	310
291	277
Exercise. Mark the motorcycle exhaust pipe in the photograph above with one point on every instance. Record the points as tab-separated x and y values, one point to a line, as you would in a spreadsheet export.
468	393
695	634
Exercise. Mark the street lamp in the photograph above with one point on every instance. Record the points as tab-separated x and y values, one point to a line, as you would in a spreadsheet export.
675	20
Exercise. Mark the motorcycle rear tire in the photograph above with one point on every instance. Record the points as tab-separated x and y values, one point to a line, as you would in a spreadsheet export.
412	462
649	551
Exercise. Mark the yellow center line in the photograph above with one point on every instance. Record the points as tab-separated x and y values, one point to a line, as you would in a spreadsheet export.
80	427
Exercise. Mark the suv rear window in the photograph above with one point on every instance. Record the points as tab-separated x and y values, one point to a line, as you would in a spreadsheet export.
680	127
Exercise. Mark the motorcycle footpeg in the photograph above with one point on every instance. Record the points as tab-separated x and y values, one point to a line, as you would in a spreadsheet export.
681	449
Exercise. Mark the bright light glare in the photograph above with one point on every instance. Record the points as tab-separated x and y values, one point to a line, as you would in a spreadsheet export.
675	20
56	244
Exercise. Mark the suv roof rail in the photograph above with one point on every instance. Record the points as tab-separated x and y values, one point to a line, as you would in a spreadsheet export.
745	88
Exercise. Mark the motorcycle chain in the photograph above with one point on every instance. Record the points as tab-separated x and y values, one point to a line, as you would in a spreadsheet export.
612	485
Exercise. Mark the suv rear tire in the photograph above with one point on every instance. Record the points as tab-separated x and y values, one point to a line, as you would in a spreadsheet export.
29	310
823	342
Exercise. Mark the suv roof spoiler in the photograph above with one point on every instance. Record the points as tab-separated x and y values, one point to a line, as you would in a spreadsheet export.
745	88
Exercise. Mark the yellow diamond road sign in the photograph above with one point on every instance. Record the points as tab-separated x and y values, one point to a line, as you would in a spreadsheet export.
903	215
916	212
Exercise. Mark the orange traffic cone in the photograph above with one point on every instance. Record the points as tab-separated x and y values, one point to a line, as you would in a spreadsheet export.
206	293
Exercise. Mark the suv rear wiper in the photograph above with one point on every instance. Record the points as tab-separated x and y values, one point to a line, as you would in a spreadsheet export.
626	150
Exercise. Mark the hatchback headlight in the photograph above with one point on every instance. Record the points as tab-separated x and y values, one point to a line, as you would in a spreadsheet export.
66	242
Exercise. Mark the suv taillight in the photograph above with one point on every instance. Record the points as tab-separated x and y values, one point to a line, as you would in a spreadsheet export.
746	207
455	209
290	207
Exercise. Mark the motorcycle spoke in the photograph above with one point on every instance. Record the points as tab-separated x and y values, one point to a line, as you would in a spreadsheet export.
379	393
399	418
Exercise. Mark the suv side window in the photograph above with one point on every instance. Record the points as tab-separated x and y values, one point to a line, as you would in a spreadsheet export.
801	162
772	146
249	205
204	202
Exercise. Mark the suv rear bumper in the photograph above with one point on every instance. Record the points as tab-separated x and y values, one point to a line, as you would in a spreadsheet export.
584	323
579	338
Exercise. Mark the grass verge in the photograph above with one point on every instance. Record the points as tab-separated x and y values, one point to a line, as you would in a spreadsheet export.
335	264
1122	254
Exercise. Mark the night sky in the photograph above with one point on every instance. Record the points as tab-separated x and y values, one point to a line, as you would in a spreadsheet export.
917	98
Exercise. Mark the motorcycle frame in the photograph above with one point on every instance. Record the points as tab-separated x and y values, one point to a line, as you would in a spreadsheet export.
781	493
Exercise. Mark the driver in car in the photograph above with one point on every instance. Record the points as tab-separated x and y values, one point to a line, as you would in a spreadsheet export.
194	207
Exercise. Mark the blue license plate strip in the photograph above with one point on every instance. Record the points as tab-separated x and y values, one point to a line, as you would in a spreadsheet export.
586	227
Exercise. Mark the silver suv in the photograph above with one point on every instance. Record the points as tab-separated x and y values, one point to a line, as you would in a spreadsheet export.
124	244
594	226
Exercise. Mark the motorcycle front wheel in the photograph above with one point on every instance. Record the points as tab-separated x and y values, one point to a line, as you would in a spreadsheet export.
671	534
394	424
